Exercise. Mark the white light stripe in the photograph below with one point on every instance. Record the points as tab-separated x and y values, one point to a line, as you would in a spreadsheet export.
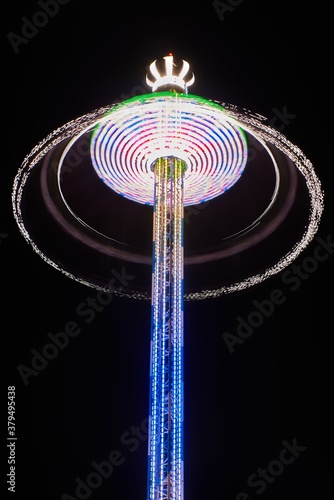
252	123
215	151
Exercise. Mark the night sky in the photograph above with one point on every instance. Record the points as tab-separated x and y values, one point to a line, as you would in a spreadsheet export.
257	411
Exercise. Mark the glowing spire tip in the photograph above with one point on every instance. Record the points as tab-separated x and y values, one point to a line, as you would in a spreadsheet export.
169	80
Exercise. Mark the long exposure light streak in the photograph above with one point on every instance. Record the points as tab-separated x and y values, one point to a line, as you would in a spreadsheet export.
130	139
165	478
168	150
246	121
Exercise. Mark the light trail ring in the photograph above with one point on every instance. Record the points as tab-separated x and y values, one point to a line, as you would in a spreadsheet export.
133	135
45	162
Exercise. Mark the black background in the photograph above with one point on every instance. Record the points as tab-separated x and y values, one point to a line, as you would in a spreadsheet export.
239	407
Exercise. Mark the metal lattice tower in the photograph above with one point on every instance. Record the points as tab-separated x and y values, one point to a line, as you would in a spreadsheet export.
165	478
165	447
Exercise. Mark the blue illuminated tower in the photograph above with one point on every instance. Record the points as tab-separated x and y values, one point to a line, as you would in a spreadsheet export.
165	477
165	443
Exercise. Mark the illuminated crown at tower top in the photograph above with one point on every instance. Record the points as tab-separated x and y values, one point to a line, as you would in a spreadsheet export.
169	80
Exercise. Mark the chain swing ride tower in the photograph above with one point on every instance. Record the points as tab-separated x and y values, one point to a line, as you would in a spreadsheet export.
165	467
168	150
165	477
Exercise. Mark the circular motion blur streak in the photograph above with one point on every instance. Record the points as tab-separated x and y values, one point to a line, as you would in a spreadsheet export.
133	135
210	136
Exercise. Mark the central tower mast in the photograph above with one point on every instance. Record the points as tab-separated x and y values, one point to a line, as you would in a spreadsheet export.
165	446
